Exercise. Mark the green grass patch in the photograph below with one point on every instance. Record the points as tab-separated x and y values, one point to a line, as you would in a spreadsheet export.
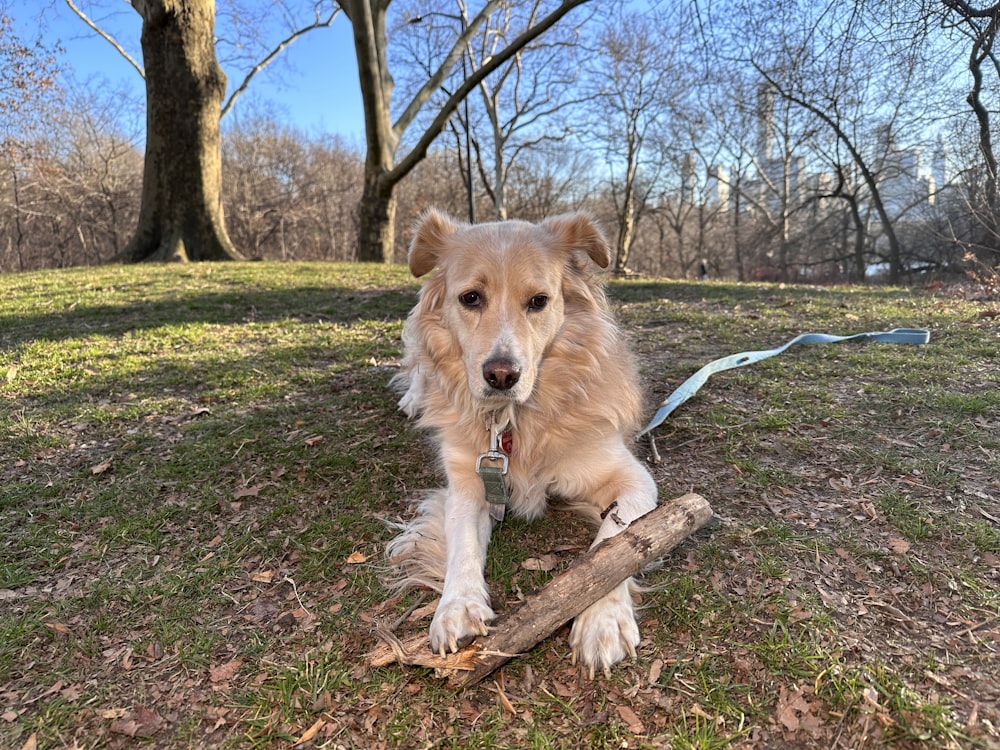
197	464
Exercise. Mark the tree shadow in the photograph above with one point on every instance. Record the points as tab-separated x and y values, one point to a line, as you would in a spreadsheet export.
332	304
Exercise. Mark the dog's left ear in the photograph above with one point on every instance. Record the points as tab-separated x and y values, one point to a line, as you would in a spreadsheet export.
578	232
432	234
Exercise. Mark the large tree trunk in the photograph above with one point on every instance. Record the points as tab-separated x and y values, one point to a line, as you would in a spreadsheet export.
180	217
377	210
376	219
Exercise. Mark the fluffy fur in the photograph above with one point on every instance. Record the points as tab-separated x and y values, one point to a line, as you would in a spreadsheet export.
514	327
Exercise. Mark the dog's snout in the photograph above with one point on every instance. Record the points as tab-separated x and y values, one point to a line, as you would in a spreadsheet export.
501	373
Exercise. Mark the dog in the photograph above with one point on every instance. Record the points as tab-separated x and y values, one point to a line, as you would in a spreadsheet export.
512	359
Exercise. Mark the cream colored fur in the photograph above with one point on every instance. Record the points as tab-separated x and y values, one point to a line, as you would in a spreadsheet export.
575	402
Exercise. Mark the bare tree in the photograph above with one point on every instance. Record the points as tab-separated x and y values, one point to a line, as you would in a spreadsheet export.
516	108
842	66
181	216
523	98
78	182
634	79
291	196
384	166
978	24
27	80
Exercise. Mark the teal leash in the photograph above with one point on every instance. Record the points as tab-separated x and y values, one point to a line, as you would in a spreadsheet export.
691	386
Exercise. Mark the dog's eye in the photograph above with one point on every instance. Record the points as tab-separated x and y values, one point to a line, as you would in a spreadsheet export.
471	299
538	302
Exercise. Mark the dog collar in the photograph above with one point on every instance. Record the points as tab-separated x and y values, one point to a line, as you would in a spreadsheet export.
492	468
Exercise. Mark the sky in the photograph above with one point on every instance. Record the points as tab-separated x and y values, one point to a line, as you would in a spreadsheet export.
314	87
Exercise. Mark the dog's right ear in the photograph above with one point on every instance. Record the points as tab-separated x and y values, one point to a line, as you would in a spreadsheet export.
431	236
578	233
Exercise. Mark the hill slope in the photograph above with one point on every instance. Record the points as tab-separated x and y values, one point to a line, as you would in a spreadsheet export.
197	463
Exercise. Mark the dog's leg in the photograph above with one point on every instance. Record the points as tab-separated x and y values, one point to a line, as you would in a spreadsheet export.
464	608
605	632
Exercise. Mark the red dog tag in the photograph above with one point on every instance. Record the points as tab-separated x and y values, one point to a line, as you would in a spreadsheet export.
507	442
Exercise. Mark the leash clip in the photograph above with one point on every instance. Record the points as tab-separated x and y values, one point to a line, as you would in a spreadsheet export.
493	456
494	477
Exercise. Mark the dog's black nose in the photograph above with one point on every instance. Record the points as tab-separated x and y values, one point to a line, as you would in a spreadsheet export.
501	373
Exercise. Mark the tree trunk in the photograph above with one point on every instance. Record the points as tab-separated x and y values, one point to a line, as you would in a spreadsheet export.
376	220
626	226
623	247
180	216
982	50
860	267
377	210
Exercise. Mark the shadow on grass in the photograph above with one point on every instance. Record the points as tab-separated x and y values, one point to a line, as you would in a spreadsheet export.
332	304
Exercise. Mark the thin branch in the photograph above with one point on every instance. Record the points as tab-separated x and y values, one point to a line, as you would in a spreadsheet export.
107	37
319	24
419	150
433	83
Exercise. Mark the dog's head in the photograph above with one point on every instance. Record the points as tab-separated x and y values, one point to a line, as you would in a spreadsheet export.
503	291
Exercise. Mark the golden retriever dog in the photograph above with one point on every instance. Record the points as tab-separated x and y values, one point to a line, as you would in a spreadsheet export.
513	361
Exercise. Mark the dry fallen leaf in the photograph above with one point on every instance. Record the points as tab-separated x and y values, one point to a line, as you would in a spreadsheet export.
101	467
225	672
795	711
655	669
58	627
247	492
545	563
899	545
635	725
72	692
504	700
311	732
139	723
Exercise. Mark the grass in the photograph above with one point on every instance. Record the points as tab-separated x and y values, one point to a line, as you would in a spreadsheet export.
197	463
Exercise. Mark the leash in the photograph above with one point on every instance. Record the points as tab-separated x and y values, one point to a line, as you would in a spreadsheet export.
492	466
691	386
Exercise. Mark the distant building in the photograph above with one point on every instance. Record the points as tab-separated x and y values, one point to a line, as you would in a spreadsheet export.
717	188
904	184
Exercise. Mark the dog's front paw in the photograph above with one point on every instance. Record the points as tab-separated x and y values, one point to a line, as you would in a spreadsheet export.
606	632
457	622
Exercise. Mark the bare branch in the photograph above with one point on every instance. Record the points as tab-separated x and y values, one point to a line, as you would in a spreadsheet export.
269	58
107	37
419	150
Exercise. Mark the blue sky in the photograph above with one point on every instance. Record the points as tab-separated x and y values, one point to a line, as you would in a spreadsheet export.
313	87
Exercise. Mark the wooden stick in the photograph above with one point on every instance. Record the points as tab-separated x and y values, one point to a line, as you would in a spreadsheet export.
596	573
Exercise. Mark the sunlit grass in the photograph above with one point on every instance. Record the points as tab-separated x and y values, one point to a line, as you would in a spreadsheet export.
197	463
